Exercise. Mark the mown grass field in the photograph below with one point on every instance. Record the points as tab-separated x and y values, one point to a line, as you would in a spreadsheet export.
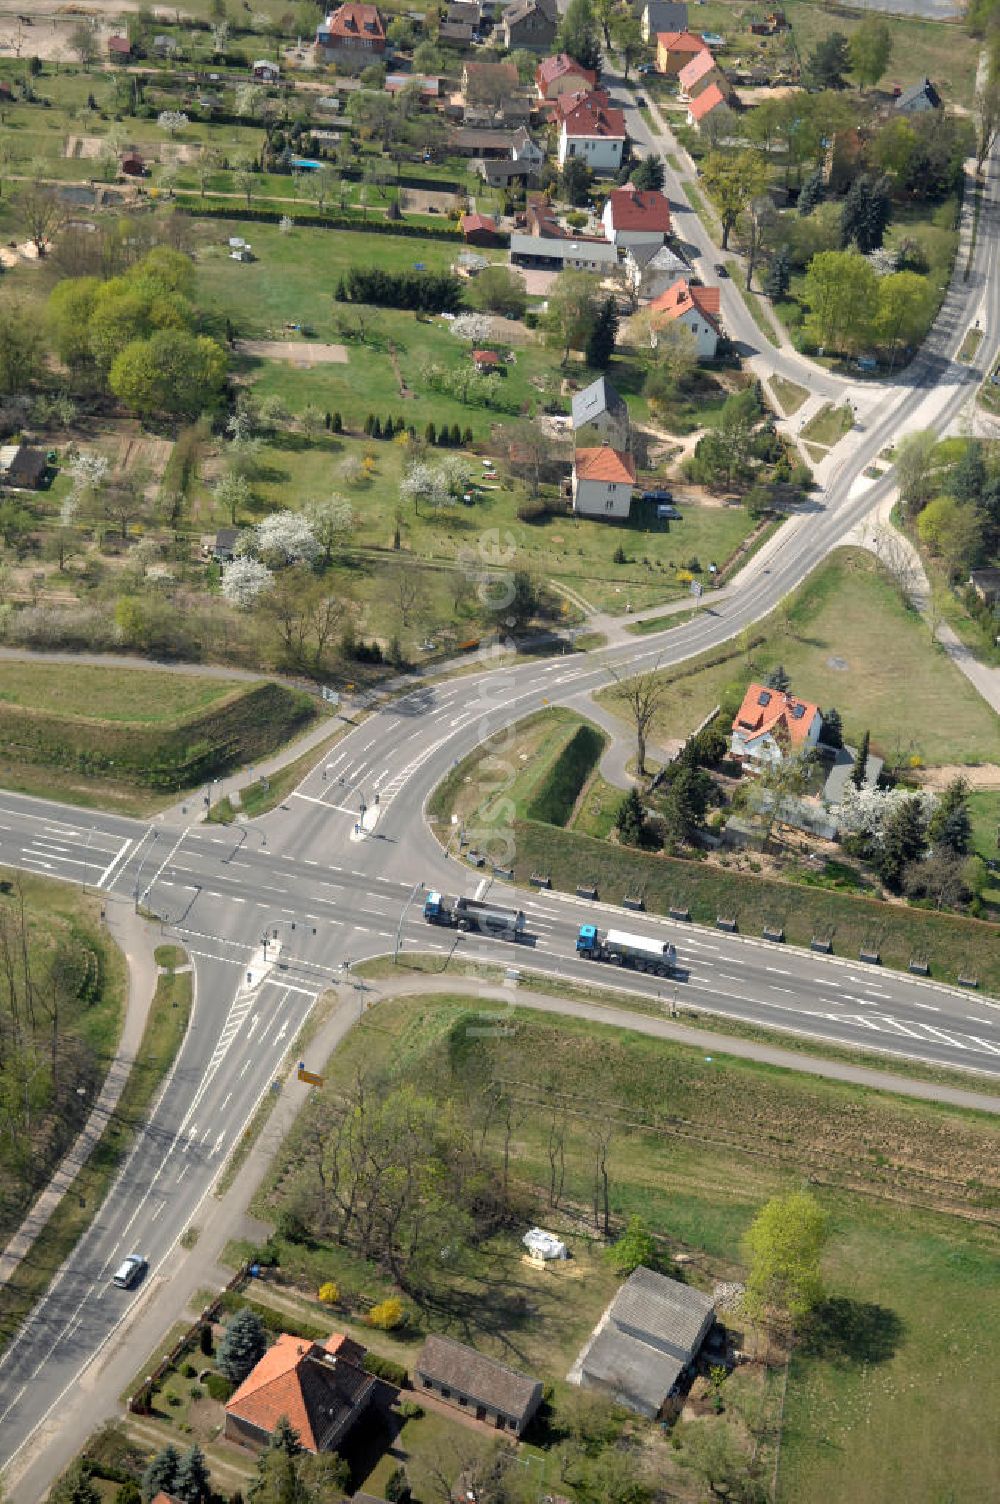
138	697
847	639
887	1400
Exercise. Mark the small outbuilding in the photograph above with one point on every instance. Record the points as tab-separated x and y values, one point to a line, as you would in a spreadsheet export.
646	1341
132	164
265	72
544	1245
22	466
479	229
490	1391
486	362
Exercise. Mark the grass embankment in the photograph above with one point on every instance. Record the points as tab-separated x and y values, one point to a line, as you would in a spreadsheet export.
164	1032
846	639
885	1387
78	732
789	394
754	305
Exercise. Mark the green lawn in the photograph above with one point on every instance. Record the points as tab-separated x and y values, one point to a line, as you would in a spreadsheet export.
789	394
145	698
829	425
886	1398
847	640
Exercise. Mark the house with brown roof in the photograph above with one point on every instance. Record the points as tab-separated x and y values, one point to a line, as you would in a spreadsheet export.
697	308
353	33
593	129
491	95
490	1391
529	23
674	49
486	362
22	466
119	49
771	725
636	216
701	109
603	482
561	74
320	1387
479	229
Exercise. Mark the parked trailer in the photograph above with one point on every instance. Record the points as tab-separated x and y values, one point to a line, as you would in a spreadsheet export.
474	914
656	956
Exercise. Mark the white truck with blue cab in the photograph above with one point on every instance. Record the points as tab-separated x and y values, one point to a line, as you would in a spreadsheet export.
658	957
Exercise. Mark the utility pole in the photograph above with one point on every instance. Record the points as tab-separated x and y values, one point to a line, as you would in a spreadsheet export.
399	928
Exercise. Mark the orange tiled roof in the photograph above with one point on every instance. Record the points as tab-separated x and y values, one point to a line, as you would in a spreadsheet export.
592	118
551	69
308	1382
681	41
707	102
355	20
605	464
700	64
772	712
681	296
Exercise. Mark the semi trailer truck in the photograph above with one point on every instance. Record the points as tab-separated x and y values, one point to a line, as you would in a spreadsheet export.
474	914
638	951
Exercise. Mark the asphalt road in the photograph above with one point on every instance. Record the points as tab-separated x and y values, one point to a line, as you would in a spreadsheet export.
334	899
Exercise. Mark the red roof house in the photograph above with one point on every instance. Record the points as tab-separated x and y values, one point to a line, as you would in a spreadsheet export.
119	48
696	307
321	1387
560	75
675	48
593	129
485	361
479	229
352	28
603	479
699	73
707	102
636	216
771	725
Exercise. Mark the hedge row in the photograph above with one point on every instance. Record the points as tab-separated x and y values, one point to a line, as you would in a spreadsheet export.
275	1321
560	788
385	1368
319	221
245	726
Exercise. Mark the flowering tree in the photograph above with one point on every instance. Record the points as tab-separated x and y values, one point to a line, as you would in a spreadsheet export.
471	326
864	811
232	491
172	121
288	537
244	581
89	472
331	521
423	482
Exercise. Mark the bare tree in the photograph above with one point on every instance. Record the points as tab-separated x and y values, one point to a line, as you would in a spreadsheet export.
42	212
408	593
642	696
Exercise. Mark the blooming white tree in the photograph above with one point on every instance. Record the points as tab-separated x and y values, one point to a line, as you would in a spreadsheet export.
220	37
249	99
331	521
288	537
456	474
89	472
232	491
423	482
285	224
244	581
172	121
864	811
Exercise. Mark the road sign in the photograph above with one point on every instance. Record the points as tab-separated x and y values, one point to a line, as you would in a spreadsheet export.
696	588
309	1077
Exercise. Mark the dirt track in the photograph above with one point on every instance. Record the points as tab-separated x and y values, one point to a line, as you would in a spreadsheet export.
299	352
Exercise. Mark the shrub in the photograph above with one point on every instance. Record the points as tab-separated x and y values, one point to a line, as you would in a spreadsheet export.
410	1410
196	1392
385	1368
329	1293
556	795
387	1315
219	1387
189	1371
205	1343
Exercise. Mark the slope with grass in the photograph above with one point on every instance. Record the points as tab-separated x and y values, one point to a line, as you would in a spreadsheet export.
139	728
846	639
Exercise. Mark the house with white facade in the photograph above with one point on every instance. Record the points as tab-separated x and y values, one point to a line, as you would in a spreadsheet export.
771	725
697	308
591	128
603	482
636	216
600	416
651	269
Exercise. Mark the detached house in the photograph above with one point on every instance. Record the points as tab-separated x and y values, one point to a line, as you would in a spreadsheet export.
603	482
321	1387
353	33
705	105
651	269
771	725
675	48
660	15
529	23
561	75
697	308
600	416
594	130
700	74
636	216
918	99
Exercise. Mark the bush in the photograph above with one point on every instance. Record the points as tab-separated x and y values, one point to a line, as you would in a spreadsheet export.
410	1410
205	1343
387	1315
385	1368
189	1371
329	1293
219	1387
196	1392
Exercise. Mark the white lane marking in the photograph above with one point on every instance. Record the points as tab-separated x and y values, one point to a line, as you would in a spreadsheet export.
929	1006
958	1044
116	861
992	1048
